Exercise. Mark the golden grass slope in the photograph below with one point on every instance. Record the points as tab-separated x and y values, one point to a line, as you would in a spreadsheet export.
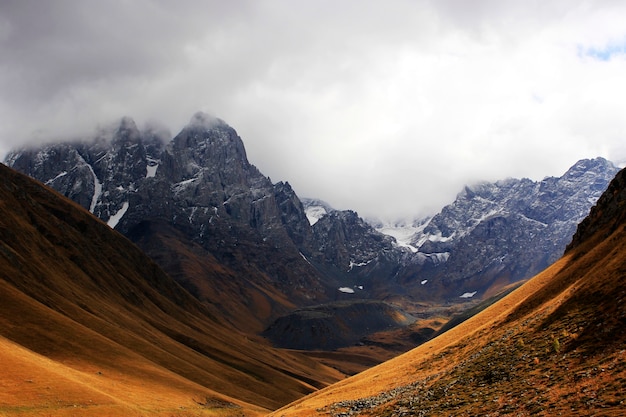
87	320
555	346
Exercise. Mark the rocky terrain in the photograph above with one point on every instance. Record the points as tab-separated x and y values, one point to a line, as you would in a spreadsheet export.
495	234
195	205
554	346
111	331
255	251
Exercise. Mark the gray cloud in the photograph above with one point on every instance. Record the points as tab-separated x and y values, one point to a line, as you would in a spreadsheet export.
388	108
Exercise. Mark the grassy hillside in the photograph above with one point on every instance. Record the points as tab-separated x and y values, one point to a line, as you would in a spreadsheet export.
554	346
90	326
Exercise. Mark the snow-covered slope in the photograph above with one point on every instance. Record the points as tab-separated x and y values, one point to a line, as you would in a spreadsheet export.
403	231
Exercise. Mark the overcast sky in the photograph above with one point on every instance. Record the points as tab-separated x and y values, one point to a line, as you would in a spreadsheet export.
385	107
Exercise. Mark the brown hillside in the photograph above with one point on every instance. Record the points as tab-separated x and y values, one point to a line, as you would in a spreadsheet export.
554	346
91	326
248	301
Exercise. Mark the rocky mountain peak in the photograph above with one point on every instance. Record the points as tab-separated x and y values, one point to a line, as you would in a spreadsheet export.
507	230
583	166
198	194
127	133
209	144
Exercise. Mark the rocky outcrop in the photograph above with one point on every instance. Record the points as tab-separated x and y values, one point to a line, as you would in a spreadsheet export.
336	325
497	233
607	215
236	236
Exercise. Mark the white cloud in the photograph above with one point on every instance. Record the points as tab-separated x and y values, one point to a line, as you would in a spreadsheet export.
383	107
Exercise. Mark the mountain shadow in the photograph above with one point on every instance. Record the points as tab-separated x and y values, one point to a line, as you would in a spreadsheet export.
88	320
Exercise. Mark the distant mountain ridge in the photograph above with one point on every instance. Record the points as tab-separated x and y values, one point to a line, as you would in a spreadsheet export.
502	232
256	251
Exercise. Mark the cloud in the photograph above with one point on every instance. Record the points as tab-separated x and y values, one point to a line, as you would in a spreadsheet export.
387	108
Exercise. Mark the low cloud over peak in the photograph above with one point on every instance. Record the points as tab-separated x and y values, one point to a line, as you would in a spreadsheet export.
388	109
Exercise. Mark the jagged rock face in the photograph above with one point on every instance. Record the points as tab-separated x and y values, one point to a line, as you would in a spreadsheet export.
201	185
362	260
233	238
346	240
607	214
293	216
497	233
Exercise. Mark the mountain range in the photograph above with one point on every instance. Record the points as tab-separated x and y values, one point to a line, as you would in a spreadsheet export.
256	253
554	346
91	325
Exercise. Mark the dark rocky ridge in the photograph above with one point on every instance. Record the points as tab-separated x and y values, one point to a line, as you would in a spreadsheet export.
498	233
197	206
336	325
202	200
608	213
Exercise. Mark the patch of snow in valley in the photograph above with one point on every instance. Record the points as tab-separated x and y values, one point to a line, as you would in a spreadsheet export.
115	219
493	212
403	234
315	209
438	237
193	211
468	294
179	186
403	231
542	224
346	290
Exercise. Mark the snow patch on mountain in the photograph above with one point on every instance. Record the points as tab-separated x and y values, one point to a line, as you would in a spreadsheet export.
468	294
115	219
62	174
403	231
151	168
97	188
358	264
315	209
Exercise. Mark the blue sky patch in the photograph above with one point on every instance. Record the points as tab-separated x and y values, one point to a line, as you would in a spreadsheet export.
603	54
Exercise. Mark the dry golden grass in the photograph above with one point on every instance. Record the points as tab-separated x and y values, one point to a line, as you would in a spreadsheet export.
34	385
90	326
554	346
